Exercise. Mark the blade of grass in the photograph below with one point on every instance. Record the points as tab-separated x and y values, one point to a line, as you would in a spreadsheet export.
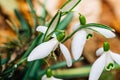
63	24
35	42
33	14
69	5
56	66
25	28
72	73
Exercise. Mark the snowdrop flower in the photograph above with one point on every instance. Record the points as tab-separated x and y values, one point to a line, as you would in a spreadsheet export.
80	37
49	78
106	60
44	49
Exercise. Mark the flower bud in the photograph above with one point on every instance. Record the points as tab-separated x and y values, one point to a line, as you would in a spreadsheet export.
82	19
106	46
49	72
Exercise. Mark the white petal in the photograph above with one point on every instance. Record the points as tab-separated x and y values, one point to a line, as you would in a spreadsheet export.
66	54
54	23
42	50
116	57
105	32
89	31
78	43
54	35
97	68
76	26
42	29
69	5
53	78
109	58
44	77
100	51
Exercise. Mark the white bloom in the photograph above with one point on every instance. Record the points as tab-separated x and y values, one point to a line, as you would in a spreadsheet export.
51	78
79	39
42	29
106	60
44	49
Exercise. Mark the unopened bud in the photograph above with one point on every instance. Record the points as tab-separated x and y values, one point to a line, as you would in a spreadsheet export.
106	46
82	19
49	72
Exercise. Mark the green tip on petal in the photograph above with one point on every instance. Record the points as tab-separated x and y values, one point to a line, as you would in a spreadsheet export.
106	46
49	72
110	66
61	36
82	19
89	36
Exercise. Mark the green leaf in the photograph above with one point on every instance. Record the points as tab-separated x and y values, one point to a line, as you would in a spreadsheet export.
54	23
34	66
72	73
63	24
52	26
83	72
33	14
35	42
56	66
25	30
4	61
69	5
31	7
32	70
27	71
43	15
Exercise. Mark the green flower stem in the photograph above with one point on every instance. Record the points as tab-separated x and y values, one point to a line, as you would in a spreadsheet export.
34	43
56	66
87	26
21	61
72	73
76	72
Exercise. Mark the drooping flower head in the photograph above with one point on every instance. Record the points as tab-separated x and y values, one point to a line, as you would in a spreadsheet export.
80	37
45	48
105	61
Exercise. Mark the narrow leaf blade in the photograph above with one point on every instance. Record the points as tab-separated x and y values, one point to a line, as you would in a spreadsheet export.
69	5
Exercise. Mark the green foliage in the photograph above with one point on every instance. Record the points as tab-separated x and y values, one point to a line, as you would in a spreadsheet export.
25	30
28	38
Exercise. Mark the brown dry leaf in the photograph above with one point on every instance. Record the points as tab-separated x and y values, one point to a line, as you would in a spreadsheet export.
7	14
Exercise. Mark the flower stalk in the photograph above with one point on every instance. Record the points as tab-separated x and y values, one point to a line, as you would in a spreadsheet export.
80	72
87	26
